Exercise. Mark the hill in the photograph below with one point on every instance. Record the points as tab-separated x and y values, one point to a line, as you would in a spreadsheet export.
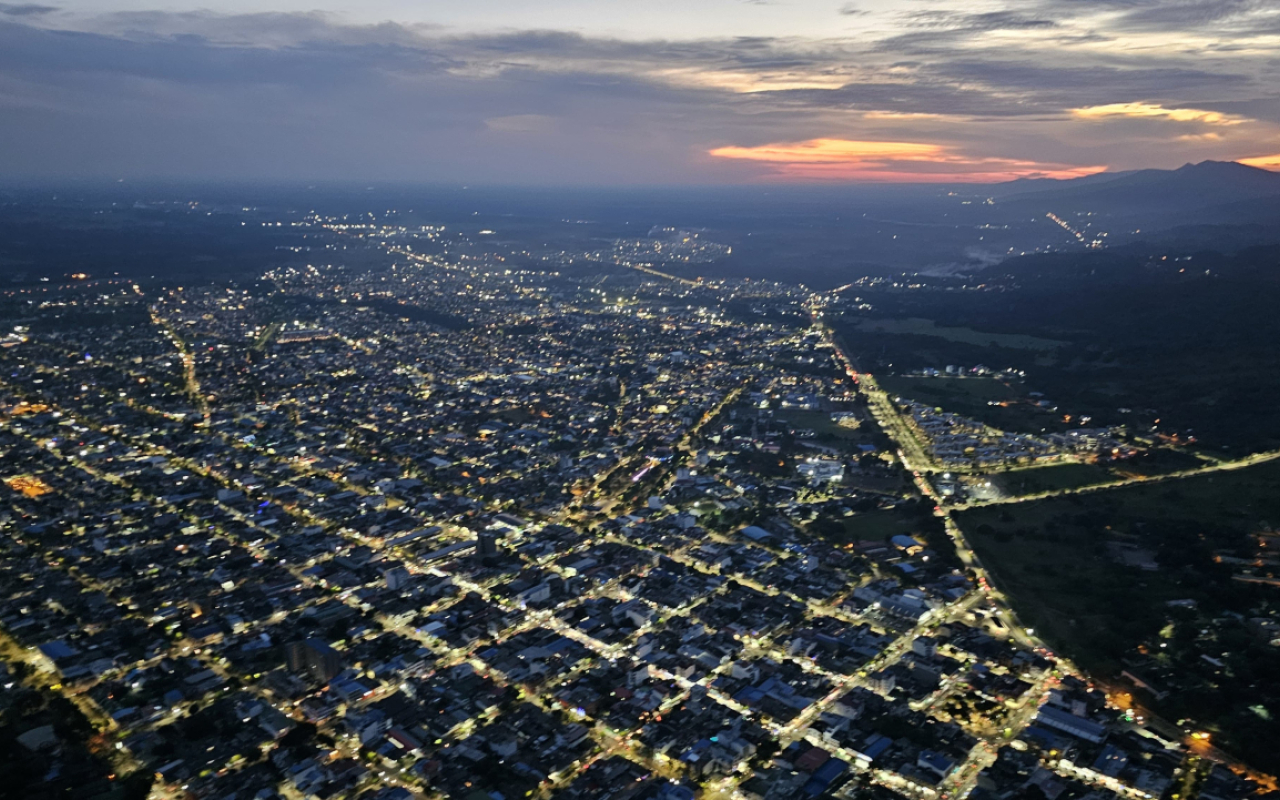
1148	191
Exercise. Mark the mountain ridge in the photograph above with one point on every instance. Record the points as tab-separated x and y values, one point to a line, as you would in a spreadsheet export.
1193	185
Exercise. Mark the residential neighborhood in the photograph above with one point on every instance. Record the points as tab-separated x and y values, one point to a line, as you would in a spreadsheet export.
550	539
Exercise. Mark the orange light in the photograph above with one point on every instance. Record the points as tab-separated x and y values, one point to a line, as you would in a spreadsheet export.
845	159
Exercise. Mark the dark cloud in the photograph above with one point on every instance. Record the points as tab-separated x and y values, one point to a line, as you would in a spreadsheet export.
937	32
301	95
1190	14
851	10
978	23
938	97
25	10
1071	85
86	104
1250	17
193	59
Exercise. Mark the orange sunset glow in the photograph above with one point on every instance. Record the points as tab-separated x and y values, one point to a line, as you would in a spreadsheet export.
1157	112
644	93
1263	162
908	162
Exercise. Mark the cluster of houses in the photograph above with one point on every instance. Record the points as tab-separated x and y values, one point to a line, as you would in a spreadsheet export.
539	542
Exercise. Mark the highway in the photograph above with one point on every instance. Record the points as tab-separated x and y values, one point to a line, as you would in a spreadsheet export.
188	365
916	460
962	780
1196	472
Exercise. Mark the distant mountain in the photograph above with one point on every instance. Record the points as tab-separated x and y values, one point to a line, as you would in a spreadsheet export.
1148	192
1024	186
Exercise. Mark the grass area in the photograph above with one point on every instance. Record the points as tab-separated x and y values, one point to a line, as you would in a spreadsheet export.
1056	559
955	390
823	427
1051	555
914	519
1159	461
874	526
926	327
1019	483
1065	585
973	397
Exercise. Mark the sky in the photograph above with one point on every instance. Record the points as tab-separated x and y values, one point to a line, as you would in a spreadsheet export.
634	92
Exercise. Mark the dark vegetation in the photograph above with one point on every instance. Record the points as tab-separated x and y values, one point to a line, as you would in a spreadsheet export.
74	765
1022	482
1181	347
167	242
972	397
1140	579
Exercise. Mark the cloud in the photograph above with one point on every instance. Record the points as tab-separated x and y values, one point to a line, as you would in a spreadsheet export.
1010	92
851	10
1155	111
1185	14
25	10
521	123
1182	24
1063	82
831	151
968	22
845	160
1271	162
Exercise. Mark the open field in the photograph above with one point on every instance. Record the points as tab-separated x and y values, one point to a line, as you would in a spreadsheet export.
910	519
973	398
824	428
1123	359
927	327
1159	461
1051	554
1095	575
979	390
875	526
1022	482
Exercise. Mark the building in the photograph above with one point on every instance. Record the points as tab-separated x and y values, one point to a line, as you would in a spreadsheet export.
396	578
925	646
1067	722
313	657
819	469
487	544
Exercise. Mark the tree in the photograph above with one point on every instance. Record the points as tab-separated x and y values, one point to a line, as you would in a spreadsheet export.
137	785
300	736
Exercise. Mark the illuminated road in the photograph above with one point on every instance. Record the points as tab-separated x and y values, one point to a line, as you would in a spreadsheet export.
1221	466
962	780
913	457
188	365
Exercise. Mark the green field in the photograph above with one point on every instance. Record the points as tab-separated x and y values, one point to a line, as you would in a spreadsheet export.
820	423
952	391
972	397
918	326
874	526
914	518
1160	461
1055	558
1023	482
1050	554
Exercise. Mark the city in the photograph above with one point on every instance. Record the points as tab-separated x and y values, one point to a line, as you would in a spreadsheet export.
647	400
528	536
